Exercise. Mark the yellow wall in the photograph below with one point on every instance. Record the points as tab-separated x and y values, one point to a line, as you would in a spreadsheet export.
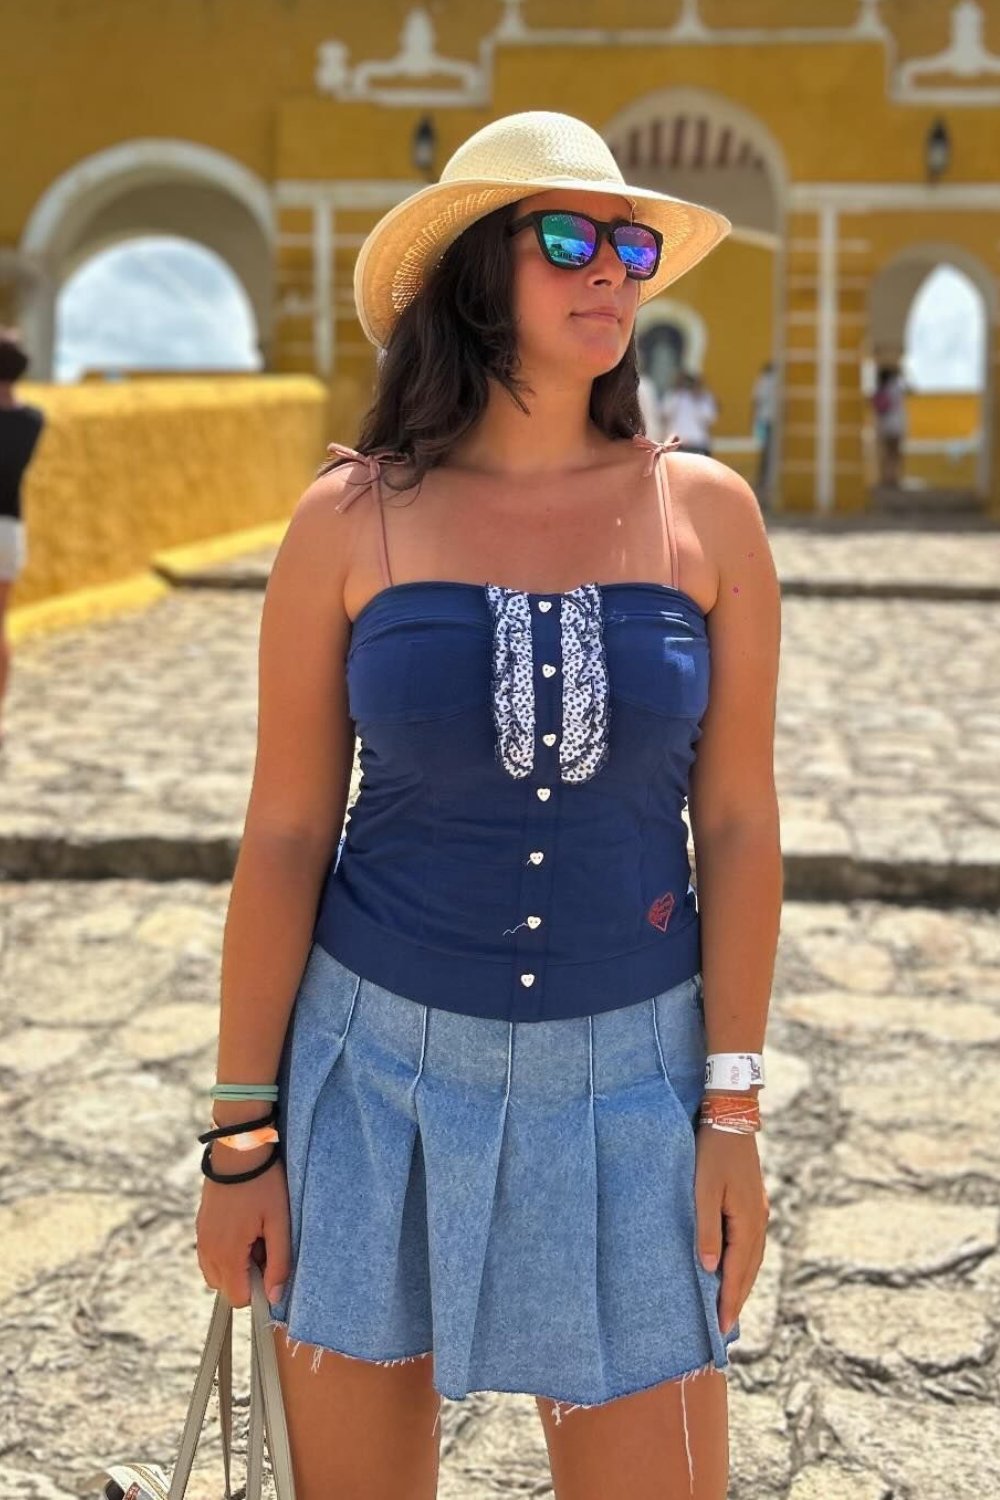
945	415
126	469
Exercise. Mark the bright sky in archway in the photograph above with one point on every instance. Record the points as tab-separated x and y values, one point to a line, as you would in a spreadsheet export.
946	334
158	302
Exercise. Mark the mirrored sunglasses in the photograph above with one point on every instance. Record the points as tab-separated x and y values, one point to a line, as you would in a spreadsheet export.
571	240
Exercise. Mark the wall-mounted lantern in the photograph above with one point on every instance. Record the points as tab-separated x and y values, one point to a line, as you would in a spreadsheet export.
937	151
423	145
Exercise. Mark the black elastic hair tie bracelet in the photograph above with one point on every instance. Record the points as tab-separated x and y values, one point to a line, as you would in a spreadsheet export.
214	1135
210	1172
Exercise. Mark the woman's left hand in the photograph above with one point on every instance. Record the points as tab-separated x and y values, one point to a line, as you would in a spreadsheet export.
729	1185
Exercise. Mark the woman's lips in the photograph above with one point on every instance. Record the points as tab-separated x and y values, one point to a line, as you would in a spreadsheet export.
608	316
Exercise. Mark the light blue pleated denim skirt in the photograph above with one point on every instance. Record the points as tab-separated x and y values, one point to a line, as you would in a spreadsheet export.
515	1199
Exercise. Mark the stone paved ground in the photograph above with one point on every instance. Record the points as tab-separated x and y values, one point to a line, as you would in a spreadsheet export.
867	1367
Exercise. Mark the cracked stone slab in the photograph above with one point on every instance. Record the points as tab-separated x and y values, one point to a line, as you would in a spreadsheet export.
42	1233
903	1158
897	1237
930	1450
760	1444
884	1329
911	1088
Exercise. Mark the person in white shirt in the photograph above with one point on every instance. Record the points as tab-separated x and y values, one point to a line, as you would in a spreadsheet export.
689	411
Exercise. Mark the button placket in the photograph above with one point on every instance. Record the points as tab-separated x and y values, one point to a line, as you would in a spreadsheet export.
543	791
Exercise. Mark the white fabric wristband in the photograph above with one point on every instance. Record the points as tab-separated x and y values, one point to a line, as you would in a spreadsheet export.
734	1070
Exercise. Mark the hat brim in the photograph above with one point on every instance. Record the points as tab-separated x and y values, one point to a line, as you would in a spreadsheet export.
400	249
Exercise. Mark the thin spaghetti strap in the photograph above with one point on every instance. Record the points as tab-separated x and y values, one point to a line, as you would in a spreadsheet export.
374	466
657	462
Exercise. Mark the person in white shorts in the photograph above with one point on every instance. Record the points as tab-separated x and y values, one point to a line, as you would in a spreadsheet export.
20	428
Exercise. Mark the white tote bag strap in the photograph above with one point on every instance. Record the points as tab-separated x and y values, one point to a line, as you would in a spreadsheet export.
219	1332
266	1408
264	1363
226	1402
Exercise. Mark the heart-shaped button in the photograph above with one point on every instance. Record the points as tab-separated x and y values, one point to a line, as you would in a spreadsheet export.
533	921
527	980
536	856
544	793
548	670
549	739
545	605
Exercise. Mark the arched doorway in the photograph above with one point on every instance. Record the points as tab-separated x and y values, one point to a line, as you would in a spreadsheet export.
144	187
930	312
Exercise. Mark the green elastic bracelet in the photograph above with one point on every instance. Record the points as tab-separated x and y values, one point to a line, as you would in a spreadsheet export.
245	1091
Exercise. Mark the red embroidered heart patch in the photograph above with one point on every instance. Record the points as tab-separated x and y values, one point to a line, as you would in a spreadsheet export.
659	912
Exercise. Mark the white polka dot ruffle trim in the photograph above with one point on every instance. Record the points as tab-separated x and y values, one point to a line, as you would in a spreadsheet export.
584	743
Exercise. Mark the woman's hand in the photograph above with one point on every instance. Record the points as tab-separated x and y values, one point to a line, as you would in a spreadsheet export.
729	1185
233	1217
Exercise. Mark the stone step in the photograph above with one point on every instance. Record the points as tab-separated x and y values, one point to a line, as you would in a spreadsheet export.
244	574
809	875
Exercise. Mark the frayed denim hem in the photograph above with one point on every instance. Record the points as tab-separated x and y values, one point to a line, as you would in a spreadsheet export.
560	1408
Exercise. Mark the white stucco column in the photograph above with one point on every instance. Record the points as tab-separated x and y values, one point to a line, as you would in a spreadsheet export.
826	359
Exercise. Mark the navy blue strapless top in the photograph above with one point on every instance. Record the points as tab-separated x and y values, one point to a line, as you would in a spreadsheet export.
517	850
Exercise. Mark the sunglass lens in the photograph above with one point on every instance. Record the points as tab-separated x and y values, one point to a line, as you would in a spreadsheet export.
637	248
569	240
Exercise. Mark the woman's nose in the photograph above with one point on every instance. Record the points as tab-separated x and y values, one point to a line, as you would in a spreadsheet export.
606	264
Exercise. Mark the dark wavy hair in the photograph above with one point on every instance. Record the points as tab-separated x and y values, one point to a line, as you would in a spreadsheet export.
13	359
432	382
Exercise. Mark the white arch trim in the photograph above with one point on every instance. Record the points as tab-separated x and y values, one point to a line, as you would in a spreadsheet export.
96	177
721	108
932	253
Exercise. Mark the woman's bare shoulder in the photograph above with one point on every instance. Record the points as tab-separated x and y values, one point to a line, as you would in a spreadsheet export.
319	540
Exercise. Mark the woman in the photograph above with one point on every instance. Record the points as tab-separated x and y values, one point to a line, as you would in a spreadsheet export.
889	405
482	1019
21	426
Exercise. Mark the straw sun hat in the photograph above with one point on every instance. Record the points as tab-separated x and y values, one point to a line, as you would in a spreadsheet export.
508	159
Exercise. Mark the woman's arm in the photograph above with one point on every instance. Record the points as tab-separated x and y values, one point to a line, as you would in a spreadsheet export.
298	796
732	799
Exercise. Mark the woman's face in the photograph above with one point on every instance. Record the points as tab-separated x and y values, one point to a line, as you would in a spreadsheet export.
578	322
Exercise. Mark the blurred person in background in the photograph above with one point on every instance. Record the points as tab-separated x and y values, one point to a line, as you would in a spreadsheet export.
20	428
889	406
689	411
762	419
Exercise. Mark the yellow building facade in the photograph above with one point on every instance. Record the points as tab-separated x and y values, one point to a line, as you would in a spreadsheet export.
277	131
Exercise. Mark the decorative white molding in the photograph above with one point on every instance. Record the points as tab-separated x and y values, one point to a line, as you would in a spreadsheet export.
405	80
861	197
397	80
691	30
845	247
343	192
965	57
